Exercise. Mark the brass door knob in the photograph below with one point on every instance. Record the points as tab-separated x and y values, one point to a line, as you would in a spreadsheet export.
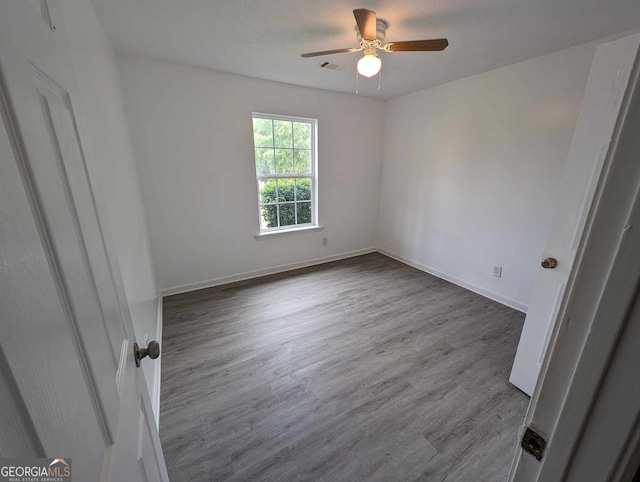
152	350
549	263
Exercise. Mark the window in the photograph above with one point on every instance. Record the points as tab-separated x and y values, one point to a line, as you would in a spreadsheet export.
286	164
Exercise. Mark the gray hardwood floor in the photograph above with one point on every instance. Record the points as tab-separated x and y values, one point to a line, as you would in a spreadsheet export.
362	369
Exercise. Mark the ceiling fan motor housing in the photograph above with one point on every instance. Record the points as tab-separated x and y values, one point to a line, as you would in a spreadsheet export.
381	30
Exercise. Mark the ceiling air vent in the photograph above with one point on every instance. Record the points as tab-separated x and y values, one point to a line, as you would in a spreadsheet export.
330	66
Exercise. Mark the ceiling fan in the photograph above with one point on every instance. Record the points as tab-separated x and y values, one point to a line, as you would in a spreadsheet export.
371	32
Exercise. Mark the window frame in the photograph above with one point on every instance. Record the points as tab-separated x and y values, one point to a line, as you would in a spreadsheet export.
313	175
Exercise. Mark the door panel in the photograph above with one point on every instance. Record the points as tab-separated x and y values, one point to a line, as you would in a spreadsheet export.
37	335
58	115
66	334
595	324
553	314
69	247
607	83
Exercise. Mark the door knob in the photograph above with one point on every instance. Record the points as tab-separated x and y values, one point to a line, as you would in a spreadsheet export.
549	263
152	349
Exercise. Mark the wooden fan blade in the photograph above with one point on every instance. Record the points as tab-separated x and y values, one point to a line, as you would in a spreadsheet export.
329	52
433	45
366	20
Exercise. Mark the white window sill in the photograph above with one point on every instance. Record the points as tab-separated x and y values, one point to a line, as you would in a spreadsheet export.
286	232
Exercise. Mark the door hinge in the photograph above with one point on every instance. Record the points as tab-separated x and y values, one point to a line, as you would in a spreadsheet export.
533	443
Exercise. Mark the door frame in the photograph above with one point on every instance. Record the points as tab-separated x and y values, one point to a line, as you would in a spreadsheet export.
602	291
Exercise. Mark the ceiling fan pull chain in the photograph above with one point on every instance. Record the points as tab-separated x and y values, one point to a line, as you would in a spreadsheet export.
380	78
357	77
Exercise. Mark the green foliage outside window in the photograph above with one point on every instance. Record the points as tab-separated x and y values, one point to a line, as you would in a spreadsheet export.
282	190
282	147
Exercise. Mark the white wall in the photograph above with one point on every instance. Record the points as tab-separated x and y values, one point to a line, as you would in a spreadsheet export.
471	171
111	167
192	138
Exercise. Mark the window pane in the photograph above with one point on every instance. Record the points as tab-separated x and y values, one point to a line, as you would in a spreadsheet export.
287	214
304	212
269	216
303	189
262	133
264	160
284	161
302	135
302	161
286	190
284	148
282	134
268	191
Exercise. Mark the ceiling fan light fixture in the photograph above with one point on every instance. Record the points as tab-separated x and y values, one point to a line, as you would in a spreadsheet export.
369	65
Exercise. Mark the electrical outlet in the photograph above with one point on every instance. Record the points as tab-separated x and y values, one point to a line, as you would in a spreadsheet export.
497	271
324	241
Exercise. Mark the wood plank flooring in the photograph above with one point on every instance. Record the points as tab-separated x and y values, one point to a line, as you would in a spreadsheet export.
361	369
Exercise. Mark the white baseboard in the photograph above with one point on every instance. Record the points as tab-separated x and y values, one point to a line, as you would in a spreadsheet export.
157	374
262	272
516	305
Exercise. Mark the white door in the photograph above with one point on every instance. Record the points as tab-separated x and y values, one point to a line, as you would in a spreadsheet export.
587	402
607	83
71	386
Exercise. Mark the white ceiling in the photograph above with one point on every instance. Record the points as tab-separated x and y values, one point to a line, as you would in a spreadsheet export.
264	38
